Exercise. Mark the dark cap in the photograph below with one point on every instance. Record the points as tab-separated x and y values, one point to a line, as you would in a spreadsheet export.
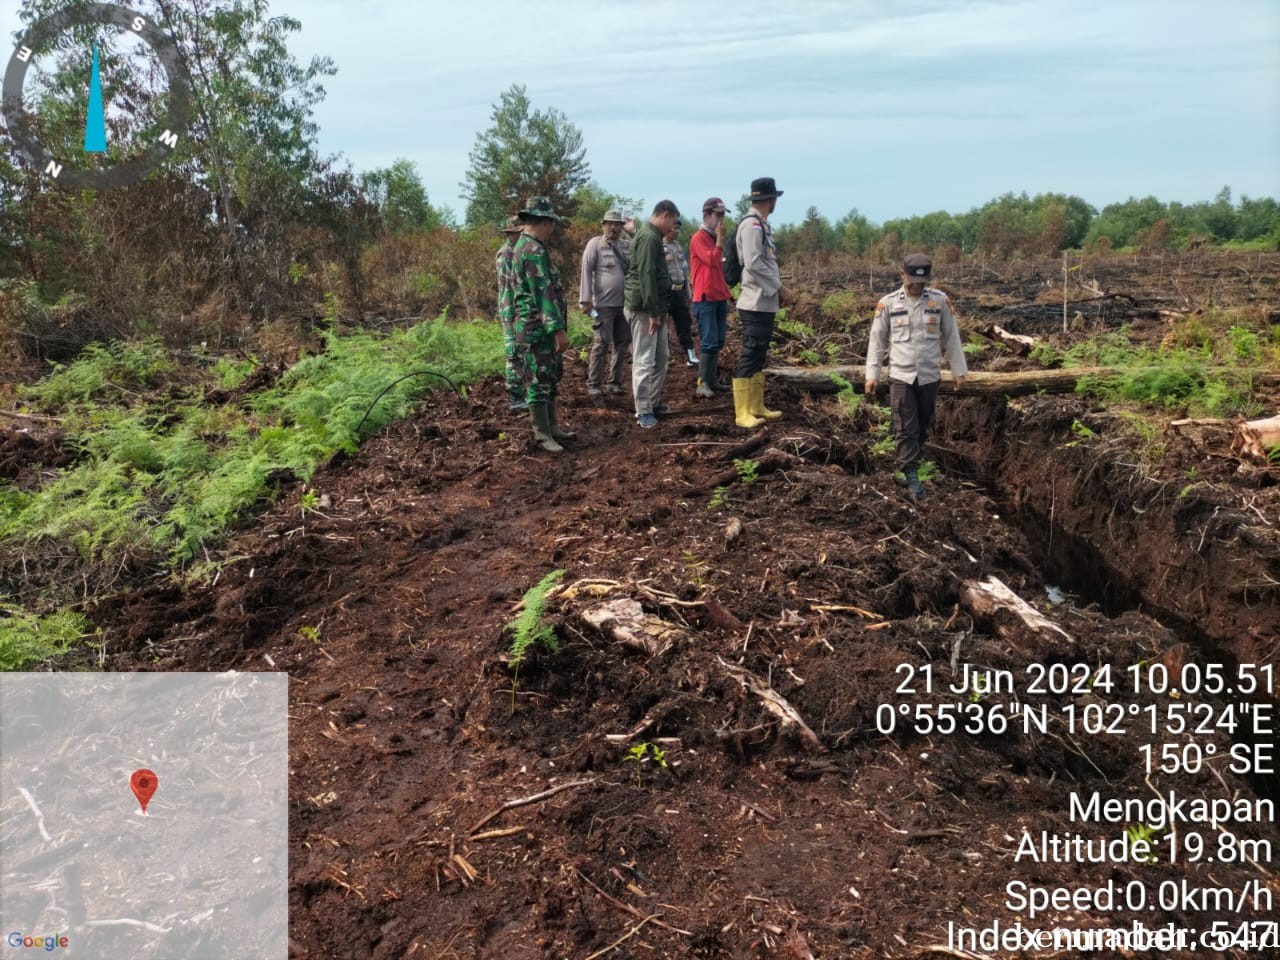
917	267
763	188
713	205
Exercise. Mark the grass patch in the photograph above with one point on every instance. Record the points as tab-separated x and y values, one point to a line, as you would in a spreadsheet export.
1204	367
160	476
26	638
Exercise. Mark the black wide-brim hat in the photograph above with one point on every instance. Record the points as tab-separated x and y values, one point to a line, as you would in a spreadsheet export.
764	188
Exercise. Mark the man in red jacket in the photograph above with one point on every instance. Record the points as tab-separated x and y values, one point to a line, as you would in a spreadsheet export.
710	293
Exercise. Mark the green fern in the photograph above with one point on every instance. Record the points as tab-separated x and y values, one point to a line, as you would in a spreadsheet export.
529	629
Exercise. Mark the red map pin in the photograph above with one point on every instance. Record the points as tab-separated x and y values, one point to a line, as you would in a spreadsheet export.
144	784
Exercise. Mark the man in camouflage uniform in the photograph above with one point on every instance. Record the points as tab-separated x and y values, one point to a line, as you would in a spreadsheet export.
507	311
540	322
914	324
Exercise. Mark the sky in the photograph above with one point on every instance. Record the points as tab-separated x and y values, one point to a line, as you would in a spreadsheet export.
893	108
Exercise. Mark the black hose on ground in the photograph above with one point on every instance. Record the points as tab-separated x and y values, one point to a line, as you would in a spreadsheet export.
412	373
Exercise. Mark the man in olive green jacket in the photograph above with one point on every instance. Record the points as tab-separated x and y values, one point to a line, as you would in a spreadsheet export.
646	305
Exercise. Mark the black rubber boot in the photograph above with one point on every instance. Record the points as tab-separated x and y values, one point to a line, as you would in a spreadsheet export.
713	375
705	374
915	489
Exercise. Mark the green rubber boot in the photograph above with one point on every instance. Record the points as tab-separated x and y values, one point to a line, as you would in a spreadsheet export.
540	416
553	417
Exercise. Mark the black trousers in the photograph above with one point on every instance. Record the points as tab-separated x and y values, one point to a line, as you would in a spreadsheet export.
912	405
682	319
757	333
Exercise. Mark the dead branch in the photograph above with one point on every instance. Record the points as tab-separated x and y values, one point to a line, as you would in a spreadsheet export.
536	798
627	908
625	621
1014	619
746	448
769	461
776	704
35	417
31	802
720	615
1019	343
622	939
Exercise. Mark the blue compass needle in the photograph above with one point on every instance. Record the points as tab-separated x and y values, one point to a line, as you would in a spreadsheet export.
95	124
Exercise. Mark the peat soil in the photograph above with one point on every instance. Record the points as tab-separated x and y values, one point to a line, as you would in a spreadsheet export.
816	581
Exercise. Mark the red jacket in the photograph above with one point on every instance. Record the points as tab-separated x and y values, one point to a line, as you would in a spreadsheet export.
706	266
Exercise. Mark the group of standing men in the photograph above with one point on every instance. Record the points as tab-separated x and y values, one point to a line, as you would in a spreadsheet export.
632	285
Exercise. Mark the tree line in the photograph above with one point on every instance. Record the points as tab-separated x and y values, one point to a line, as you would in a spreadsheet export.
248	223
1016	225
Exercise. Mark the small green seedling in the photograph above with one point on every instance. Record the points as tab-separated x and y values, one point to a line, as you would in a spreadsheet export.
719	498
748	470
310	633
644	752
308	501
979	687
1136	833
528	628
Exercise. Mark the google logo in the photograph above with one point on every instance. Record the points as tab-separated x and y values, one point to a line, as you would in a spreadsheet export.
16	939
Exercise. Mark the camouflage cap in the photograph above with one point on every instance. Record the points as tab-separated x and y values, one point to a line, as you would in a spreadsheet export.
539	208
512	225
613	215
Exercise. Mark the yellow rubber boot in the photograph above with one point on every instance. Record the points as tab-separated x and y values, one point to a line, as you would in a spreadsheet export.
757	399
742	404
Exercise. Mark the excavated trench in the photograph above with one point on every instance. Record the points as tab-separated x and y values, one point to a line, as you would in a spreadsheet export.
1107	534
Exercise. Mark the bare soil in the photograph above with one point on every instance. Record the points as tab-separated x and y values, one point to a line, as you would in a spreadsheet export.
387	609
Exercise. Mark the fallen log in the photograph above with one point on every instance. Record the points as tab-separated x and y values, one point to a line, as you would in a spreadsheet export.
1014	620
1019	343
1012	383
789	719
1257	438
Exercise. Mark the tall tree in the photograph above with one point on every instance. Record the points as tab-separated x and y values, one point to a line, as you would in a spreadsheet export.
251	141
524	153
400	197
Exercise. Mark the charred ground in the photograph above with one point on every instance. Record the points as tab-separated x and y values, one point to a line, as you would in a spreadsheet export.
387	607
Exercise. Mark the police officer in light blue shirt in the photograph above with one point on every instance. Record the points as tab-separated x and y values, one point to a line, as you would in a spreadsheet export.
914	324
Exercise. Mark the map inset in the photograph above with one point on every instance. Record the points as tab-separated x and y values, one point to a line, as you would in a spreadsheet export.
202	874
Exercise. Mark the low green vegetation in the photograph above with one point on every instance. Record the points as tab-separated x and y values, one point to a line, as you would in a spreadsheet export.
642	753
748	470
27	638
849	396
719	499
160	475
529	629
1204	366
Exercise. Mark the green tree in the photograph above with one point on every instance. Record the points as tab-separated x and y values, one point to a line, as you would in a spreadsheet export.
855	233
524	153
250	145
400	197
593	201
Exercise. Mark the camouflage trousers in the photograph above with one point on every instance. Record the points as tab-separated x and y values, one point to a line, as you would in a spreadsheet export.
539	366
515	387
